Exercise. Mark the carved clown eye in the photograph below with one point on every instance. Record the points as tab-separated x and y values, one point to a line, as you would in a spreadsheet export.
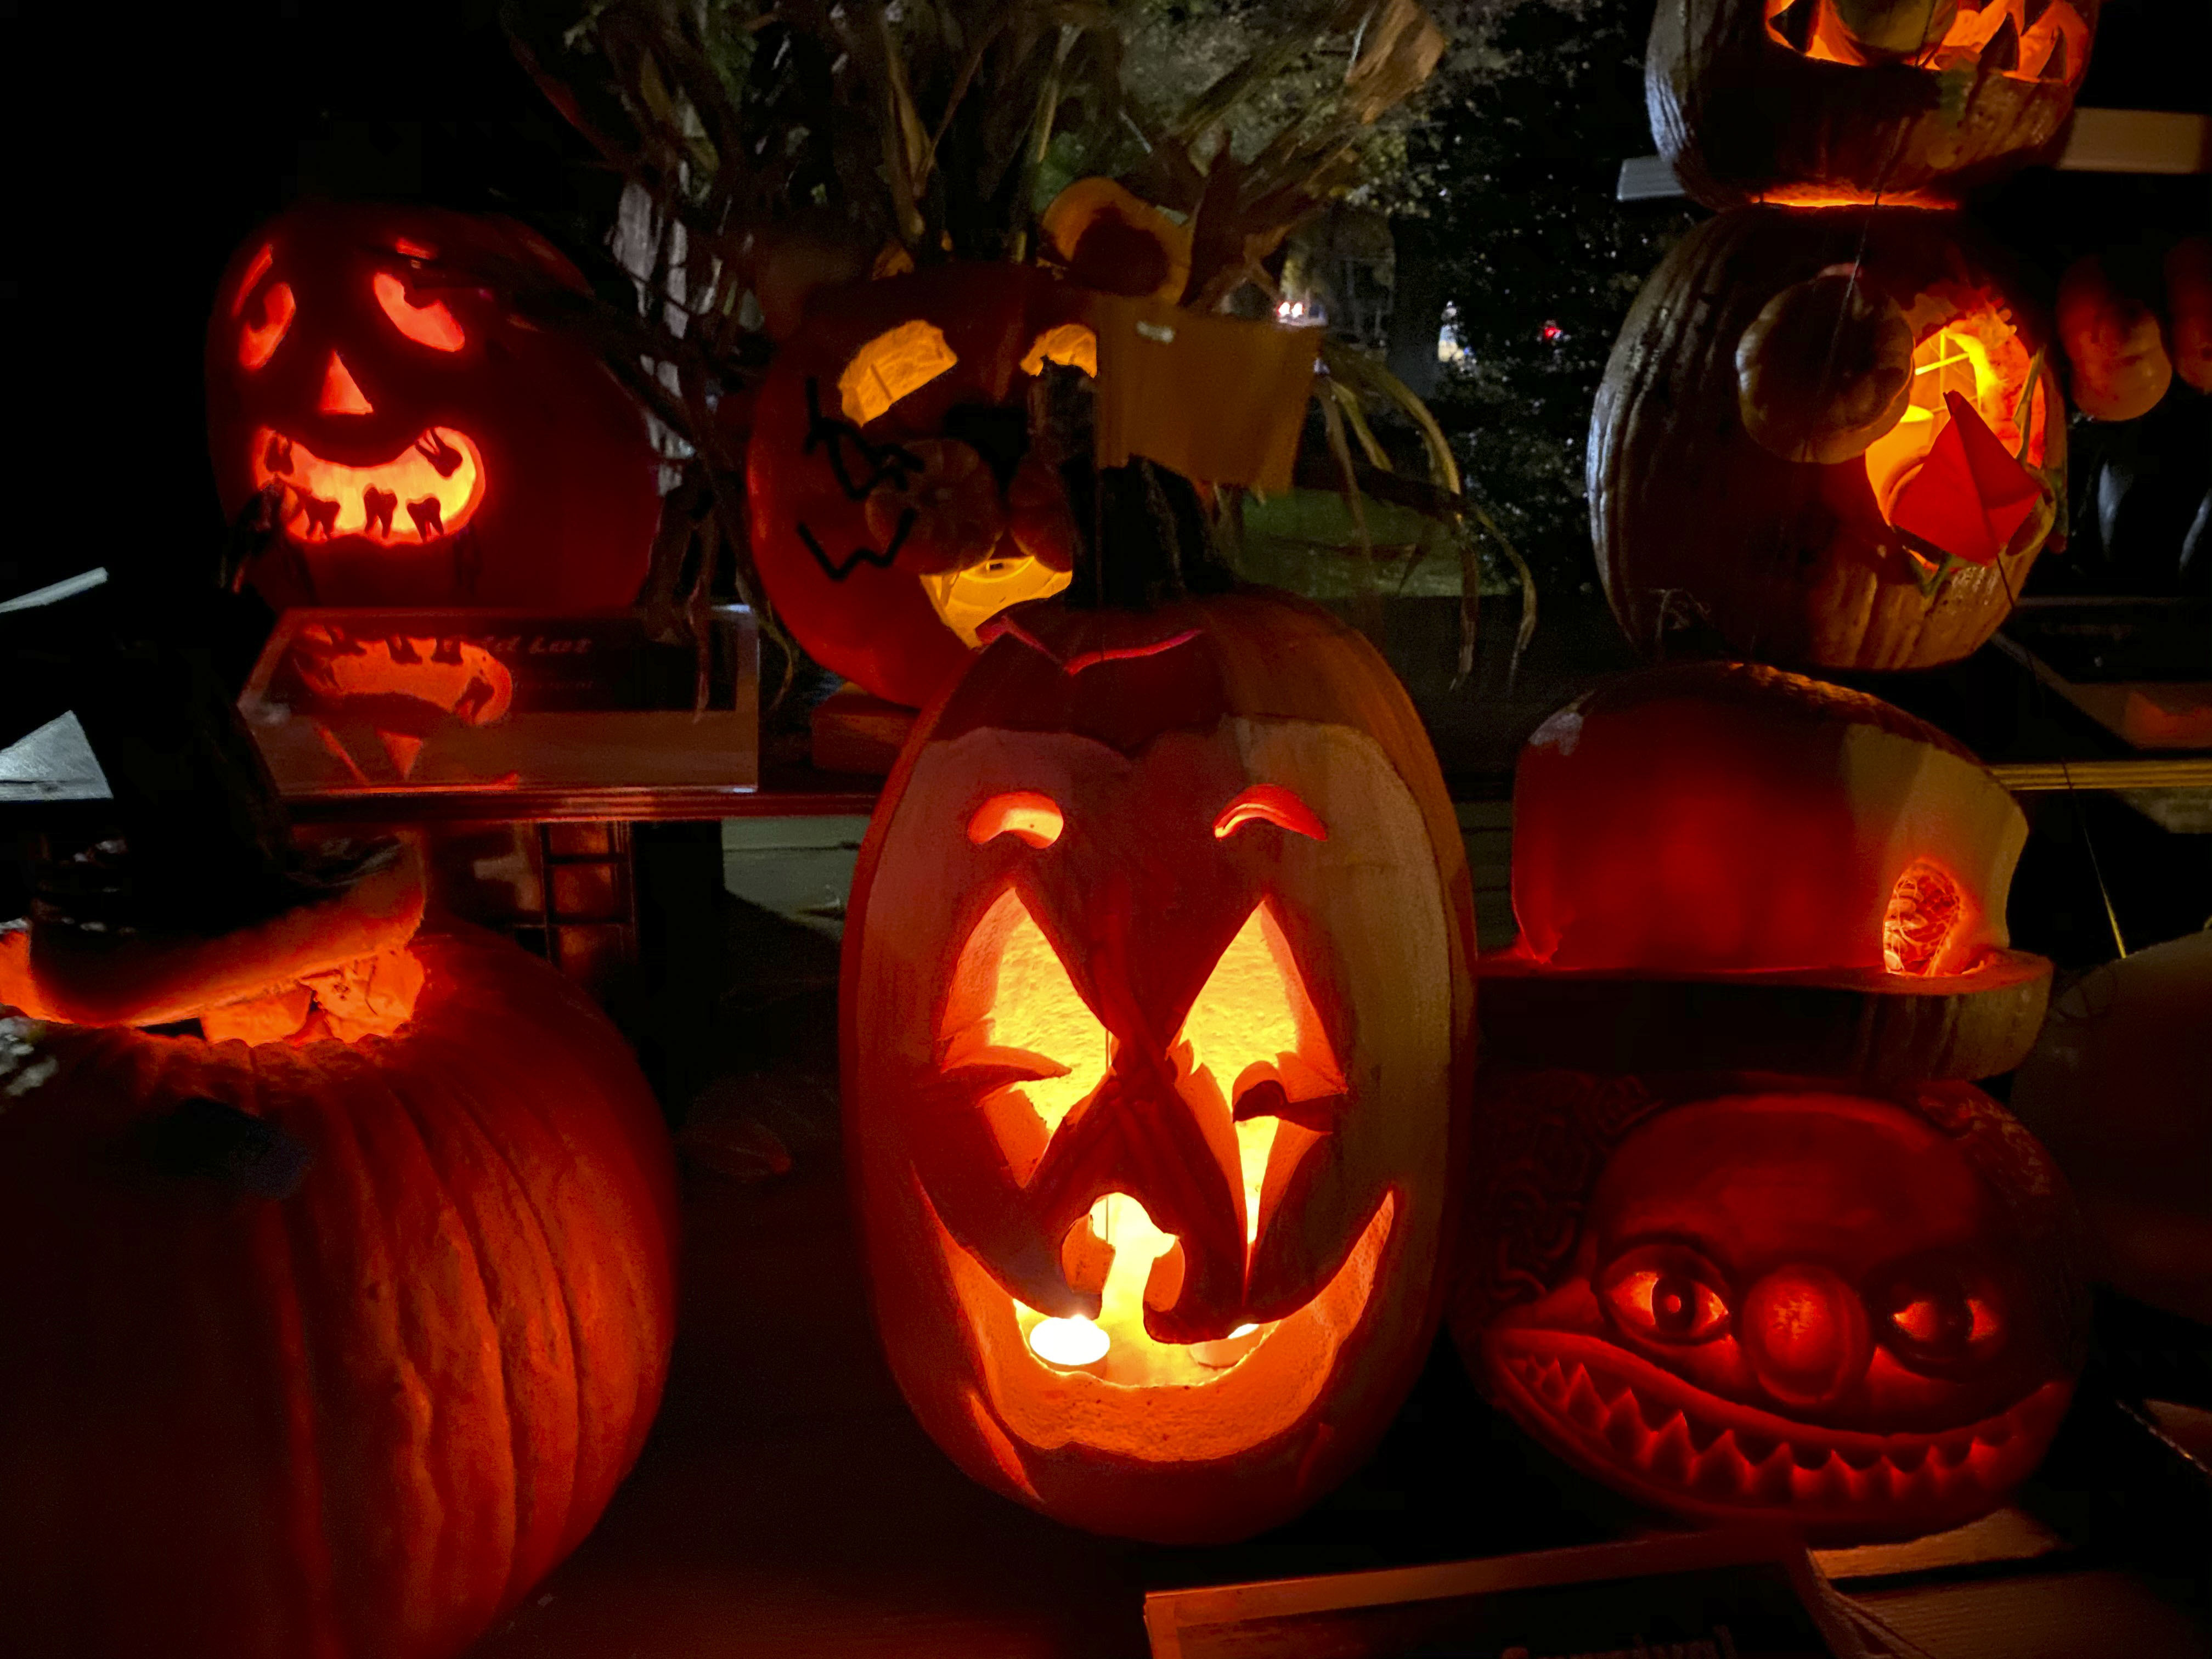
1666	1292
260	334
427	323
1938	1316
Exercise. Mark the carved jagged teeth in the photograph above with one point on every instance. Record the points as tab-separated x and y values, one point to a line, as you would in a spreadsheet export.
1858	1455
1720	1471
1623	1430
1582	1405
1809	1456
1908	1455
1952	1450
1915	1486
1703	1434
1756	1447
1669	1456
1773	1482
1609	1387
1997	1431
1553	1382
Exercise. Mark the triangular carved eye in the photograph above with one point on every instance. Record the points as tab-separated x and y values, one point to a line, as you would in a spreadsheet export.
1253	1034
1013	1008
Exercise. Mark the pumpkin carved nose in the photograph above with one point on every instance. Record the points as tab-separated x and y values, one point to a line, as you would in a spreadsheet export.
342	395
1805	1334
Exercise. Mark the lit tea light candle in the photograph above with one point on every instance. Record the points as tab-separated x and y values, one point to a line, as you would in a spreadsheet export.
1068	1342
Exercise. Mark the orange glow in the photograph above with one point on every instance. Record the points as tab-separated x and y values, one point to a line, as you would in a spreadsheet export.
374	996
1068	1343
1024	814
1254	1023
1013	1003
258	342
1269	803
342	393
464	680
1973	351
965	599
2001	37
897	361
1073	345
429	490
1924	913
407	249
1804	1332
426	323
263	262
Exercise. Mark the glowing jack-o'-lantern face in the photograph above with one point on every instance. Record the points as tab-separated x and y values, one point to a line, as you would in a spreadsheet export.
418	442
1855	1312
1835	439
1155	972
1820	103
897	501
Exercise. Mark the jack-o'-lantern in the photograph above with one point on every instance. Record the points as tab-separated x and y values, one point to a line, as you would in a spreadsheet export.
400	688
1741	1297
897	500
419	441
1156	1009
1834	437
1823	102
332	1325
2120	1089
1726	865
2114	345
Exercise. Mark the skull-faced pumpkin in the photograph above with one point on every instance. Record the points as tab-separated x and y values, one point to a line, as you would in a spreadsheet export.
1155	1007
421	443
1746	1296
1819	103
1833	437
896	500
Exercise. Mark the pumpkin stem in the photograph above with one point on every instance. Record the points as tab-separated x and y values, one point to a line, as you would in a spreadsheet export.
1143	538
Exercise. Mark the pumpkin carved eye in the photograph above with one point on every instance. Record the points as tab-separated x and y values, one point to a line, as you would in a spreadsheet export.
259	336
1666	1292
1938	1317
428	323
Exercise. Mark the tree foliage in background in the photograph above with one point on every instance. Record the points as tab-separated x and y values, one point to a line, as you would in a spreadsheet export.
1516	164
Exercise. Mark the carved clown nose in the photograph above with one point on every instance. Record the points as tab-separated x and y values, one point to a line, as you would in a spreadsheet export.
1805	1335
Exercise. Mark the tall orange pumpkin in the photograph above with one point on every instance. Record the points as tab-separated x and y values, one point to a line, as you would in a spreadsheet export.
314	1346
1155	1021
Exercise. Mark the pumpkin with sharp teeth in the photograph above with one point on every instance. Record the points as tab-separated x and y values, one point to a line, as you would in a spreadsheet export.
1823	102
1734	1297
1156	1009
419	442
897	499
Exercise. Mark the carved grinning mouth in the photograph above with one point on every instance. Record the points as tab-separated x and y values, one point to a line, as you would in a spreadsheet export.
1620	1414
1263	1389
427	491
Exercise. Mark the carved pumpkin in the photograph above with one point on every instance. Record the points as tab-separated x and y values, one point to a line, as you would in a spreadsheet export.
1747	1297
896	501
2119	1090
1720	865
2114	345
1823	102
423	445
1766	455
335	1335
1156	1010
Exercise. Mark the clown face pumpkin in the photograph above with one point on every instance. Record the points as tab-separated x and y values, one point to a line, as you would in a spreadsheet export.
421	444
1824	102
897	502
1156	1006
1832	437
1745	1298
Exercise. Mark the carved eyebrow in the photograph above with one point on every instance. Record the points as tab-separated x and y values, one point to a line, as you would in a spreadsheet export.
1274	803
1022	813
256	268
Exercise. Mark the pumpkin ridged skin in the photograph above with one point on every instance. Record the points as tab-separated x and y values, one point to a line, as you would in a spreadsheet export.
1263	658
358	1422
1743	119
1791	561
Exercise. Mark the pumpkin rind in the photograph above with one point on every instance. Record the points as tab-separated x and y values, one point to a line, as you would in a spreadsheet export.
1742	118
1157	707
1792	562
358	1422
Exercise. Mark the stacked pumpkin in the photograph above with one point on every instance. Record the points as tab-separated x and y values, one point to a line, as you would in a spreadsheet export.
336	1256
1745	1240
1831	430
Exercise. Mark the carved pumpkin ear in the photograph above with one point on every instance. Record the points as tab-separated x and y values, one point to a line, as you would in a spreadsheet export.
1824	370
1110	240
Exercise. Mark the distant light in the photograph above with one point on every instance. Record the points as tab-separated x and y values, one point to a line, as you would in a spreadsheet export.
1552	332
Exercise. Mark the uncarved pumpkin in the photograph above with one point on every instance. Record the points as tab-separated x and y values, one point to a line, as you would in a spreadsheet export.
1156	1028
2114	345
1821	102
357	1421
1836	563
